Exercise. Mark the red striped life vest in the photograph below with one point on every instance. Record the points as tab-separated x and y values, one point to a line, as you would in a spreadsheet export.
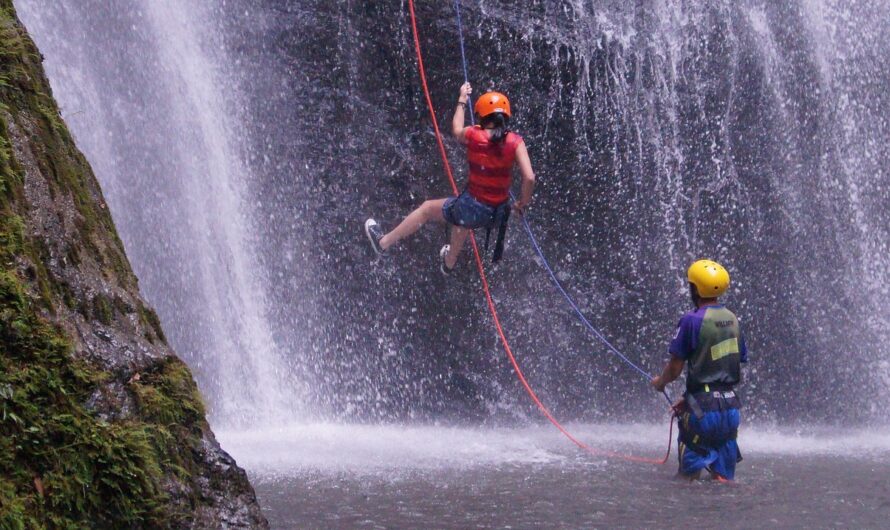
491	166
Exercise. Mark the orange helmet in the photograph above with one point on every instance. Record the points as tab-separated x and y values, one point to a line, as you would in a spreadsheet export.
492	102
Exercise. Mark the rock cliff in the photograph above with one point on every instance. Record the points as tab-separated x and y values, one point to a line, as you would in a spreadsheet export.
101	425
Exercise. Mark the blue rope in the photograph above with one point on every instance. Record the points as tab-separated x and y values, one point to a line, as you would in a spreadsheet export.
571	301
463	53
537	247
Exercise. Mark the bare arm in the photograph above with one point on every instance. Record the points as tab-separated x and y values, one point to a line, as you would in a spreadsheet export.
457	123
671	372
528	177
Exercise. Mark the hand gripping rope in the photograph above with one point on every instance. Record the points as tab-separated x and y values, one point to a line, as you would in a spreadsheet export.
482	276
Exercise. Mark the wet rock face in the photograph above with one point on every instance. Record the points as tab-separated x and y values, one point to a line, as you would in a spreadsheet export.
101	421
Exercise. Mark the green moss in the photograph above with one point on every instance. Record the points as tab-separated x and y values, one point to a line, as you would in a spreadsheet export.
167	395
12	230
61	464
6	172
10	37
150	318
102	310
53	119
92	472
38	255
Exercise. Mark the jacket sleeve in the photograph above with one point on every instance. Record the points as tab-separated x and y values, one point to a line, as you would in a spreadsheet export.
683	343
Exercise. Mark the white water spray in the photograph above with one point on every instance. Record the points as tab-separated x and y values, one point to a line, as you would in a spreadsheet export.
201	196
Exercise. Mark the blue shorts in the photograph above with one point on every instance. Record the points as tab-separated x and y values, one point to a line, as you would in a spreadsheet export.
467	212
719	458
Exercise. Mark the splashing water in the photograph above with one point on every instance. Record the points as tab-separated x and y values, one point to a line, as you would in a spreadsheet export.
240	147
148	97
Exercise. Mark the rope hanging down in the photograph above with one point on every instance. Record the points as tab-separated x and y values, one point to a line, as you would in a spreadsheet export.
485	287
534	240
574	305
463	53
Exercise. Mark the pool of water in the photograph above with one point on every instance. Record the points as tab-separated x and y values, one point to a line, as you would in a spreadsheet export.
325	475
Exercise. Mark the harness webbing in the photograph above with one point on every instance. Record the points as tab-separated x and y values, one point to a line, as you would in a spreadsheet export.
484	280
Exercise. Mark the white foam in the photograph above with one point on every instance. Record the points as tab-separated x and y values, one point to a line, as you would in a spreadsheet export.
329	447
332	447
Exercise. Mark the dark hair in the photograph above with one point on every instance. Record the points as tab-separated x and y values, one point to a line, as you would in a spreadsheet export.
497	122
696	296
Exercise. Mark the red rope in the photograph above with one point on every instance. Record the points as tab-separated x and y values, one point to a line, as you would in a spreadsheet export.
494	313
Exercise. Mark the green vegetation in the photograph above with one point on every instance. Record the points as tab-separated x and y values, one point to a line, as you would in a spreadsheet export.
24	86
102	309
77	451
168	398
150	319
62	466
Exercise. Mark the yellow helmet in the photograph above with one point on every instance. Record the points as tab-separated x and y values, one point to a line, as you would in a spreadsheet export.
709	278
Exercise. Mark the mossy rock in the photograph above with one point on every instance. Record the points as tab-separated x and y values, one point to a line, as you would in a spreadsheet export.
82	446
62	465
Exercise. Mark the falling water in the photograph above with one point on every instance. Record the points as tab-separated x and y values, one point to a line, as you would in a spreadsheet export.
750	132
148	94
241	147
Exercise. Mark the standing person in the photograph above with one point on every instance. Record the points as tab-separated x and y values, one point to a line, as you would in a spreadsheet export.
710	344
492	151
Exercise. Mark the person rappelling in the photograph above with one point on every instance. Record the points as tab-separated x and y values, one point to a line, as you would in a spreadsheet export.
493	151
710	344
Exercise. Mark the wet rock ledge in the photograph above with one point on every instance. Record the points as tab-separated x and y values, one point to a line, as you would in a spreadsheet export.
101	425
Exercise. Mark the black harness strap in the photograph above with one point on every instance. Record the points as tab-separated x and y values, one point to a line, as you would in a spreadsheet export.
502	233
702	402
696	405
498	220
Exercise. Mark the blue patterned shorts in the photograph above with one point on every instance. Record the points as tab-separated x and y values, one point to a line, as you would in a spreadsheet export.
467	212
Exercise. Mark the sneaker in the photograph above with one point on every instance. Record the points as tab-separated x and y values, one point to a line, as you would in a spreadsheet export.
442	267
375	234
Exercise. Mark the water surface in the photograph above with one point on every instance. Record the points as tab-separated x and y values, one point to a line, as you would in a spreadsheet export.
411	477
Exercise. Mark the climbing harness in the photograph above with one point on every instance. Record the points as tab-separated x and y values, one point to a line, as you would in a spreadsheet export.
481	269
500	220
697	405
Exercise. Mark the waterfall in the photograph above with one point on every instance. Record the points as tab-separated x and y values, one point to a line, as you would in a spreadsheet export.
147	91
241	146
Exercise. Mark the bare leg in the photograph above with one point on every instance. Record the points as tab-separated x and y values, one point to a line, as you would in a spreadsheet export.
428	211
458	237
